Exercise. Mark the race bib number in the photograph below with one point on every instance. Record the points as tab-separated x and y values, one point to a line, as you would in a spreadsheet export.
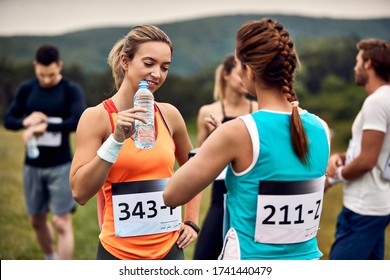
139	209
51	138
288	212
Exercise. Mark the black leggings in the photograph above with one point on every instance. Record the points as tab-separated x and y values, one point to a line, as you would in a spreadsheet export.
210	239
174	254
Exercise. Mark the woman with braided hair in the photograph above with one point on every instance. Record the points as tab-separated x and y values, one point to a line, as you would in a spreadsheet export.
276	157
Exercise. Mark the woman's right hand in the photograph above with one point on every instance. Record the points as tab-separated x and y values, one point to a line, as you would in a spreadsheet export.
125	125
213	121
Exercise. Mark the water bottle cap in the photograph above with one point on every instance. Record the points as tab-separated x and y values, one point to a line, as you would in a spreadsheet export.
143	84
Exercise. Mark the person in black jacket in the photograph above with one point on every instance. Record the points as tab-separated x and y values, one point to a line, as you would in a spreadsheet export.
48	108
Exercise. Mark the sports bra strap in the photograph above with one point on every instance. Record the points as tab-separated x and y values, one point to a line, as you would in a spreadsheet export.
110	108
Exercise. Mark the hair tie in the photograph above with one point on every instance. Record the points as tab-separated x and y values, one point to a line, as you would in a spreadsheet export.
294	103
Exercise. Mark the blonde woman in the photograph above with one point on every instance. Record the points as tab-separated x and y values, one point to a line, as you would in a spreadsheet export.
135	224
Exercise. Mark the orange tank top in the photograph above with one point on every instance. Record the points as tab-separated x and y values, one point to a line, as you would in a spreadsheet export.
134	165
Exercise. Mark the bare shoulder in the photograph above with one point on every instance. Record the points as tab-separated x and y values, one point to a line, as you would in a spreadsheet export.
214	107
168	110
232	132
95	119
236	139
94	113
235	127
173	118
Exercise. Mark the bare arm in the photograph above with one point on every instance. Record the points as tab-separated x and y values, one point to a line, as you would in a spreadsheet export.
371	146
223	147
183	144
88	171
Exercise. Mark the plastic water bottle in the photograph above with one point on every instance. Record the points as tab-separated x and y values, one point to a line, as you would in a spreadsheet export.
145	134
32	148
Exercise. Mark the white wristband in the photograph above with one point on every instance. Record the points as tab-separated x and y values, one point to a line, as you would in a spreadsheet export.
340	175
110	149
334	181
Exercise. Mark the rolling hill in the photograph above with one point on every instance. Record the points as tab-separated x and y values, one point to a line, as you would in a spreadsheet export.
197	43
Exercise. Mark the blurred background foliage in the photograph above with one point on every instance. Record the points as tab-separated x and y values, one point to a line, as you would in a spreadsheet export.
325	81
325	86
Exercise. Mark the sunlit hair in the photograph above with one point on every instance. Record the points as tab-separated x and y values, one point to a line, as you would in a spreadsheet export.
378	51
266	48
129	45
220	83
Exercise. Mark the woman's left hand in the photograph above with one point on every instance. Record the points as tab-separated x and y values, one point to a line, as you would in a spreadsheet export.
212	120
186	237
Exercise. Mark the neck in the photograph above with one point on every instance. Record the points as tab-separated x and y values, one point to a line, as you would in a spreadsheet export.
234	98
272	99
372	86
124	97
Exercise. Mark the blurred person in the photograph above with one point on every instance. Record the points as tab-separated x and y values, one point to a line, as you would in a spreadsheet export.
231	101
276	157
48	108
134	222
365	167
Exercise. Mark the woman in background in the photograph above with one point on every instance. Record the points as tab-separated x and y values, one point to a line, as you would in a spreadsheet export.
231	101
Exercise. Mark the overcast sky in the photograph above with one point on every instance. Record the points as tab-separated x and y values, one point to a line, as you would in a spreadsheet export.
52	17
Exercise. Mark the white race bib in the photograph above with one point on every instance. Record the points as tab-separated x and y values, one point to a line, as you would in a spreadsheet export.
51	138
288	212
139	209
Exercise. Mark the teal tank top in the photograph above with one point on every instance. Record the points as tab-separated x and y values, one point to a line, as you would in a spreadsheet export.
274	160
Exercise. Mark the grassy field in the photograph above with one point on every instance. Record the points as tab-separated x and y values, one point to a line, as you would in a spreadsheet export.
18	242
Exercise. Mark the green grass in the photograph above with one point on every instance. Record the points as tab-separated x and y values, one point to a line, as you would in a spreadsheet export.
18	242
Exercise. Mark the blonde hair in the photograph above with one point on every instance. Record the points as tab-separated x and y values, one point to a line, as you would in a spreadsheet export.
129	45
219	82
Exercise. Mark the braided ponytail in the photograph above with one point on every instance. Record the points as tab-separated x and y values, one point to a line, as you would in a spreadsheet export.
266	47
